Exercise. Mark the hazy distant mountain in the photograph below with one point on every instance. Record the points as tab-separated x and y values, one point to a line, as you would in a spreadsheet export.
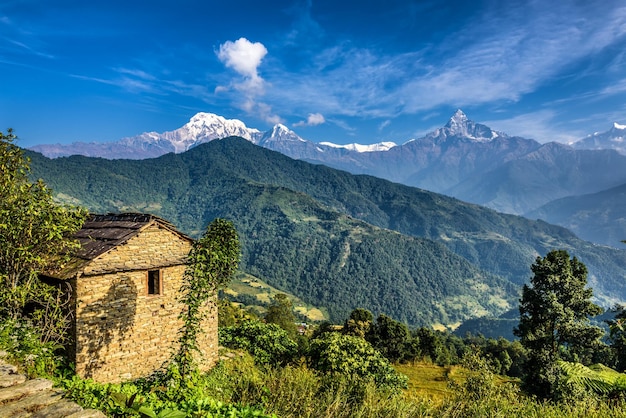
615	138
598	217
552	171
201	128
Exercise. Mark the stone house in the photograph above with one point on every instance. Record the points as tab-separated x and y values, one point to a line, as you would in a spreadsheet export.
125	283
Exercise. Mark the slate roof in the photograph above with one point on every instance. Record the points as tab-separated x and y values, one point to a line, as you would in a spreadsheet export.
101	233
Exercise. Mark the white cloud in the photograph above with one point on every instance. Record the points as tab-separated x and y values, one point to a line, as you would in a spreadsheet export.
244	57
500	56
264	111
384	124
313	119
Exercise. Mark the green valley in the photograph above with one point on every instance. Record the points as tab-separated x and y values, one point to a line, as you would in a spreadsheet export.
336	240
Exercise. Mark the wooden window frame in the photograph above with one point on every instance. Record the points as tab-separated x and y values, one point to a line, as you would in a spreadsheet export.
159	291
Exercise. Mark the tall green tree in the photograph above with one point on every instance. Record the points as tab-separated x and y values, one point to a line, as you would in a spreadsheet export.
554	320
35	236
280	312
617	337
359	323
390	337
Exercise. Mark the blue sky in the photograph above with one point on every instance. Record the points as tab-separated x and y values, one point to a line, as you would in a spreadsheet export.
340	71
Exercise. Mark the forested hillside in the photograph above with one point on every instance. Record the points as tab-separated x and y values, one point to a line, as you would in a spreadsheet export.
301	231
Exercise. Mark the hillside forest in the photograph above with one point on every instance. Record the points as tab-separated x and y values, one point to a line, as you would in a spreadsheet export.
562	365
422	258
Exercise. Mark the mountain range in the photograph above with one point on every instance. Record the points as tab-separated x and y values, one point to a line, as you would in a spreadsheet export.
463	159
334	239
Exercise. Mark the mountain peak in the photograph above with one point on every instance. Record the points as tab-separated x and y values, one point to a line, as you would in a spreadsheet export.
458	119
459	125
614	138
279	128
279	134
206	116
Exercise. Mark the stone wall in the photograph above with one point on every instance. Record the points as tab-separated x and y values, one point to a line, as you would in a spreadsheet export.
121	332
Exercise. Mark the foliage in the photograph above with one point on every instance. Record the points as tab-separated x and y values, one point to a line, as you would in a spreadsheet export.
22	341
435	346
347	355
359	323
237	388
230	314
479	385
268	343
554	321
134	399
596	378
132	404
391	338
298	391
35	237
212	261
280	312
504	357
617	336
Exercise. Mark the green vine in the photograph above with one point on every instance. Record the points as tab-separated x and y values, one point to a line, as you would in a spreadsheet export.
212	261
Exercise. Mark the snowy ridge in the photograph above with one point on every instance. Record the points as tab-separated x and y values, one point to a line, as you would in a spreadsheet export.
204	127
614	138
381	146
279	133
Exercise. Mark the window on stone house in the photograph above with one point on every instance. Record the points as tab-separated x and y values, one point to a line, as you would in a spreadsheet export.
154	282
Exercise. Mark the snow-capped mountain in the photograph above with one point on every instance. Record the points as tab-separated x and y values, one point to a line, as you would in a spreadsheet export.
464	159
461	127
614	138
202	127
279	133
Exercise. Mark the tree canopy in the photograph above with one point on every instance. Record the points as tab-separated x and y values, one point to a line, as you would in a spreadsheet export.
35	232
280	312
554	319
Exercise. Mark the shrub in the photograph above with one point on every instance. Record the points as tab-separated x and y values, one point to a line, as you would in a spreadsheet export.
268	343
23	343
353	356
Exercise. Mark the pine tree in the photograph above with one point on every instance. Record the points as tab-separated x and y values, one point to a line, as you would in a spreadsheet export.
554	320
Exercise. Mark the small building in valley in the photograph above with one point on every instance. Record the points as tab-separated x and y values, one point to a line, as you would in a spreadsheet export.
125	283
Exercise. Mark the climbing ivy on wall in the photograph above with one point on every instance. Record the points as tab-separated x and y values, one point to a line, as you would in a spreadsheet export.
212	261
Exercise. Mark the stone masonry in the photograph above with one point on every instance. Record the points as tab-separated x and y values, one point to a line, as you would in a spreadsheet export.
123	328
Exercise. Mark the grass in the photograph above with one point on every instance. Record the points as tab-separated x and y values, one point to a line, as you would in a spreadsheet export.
429	381
245	284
